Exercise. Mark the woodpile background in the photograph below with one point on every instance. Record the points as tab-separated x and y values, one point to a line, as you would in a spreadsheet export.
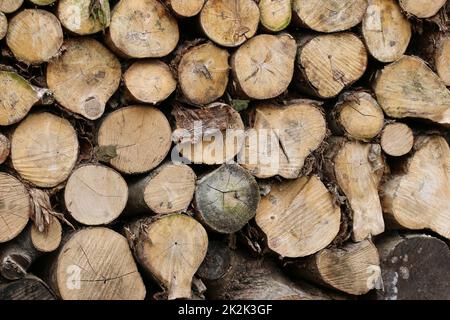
96	97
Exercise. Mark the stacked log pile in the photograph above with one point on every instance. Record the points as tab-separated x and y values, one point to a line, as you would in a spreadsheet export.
224	149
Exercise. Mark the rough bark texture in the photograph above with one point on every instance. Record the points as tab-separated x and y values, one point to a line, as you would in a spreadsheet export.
28	288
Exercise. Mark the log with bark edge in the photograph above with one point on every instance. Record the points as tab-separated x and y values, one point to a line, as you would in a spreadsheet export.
263	67
357	115
16	97
229	23
27	288
397	139
167	189
84	17
414	267
96	264
15	207
386	31
34	36
9	6
299	217
234	275
186	9
203	73
171	249
226	199
95	195
327	64
282	137
121	134
3	25
409	88
44	149
328	15
275	15
5	148
142	29
357	169
149	81
422	8
210	135
353	268
419	197
84	77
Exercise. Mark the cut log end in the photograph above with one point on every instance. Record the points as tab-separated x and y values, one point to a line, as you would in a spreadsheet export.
42	2
34	36
84	17
203	73
3	25
95	195
171	250
422	8
263	67
330	16
49	239
9	6
136	152
409	88
84	77
299	217
97	264
386	30
275	15
358	116
442	60
186	9
5	148
149	81
226	199
397	139
15	207
327	64
132	35
230	23
44	149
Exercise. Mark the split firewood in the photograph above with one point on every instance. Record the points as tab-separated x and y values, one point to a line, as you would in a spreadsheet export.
170	249
414	267
149	81
186	9
27	288
357	115
142	29
5	148
357	168
409	88
386	30
275	15
84	77
3	25
229	23
329	15
34	36
96	264
210	135
422	8
16	97
298	217
263	67
354	268
419	197
15	207
9	6
49	239
44	149
282	137
130	151
226	199
84	17
233	275
167	189
397	139
95	195
327	64
203	73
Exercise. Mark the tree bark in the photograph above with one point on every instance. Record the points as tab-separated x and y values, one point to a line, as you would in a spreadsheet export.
397	139
27	288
